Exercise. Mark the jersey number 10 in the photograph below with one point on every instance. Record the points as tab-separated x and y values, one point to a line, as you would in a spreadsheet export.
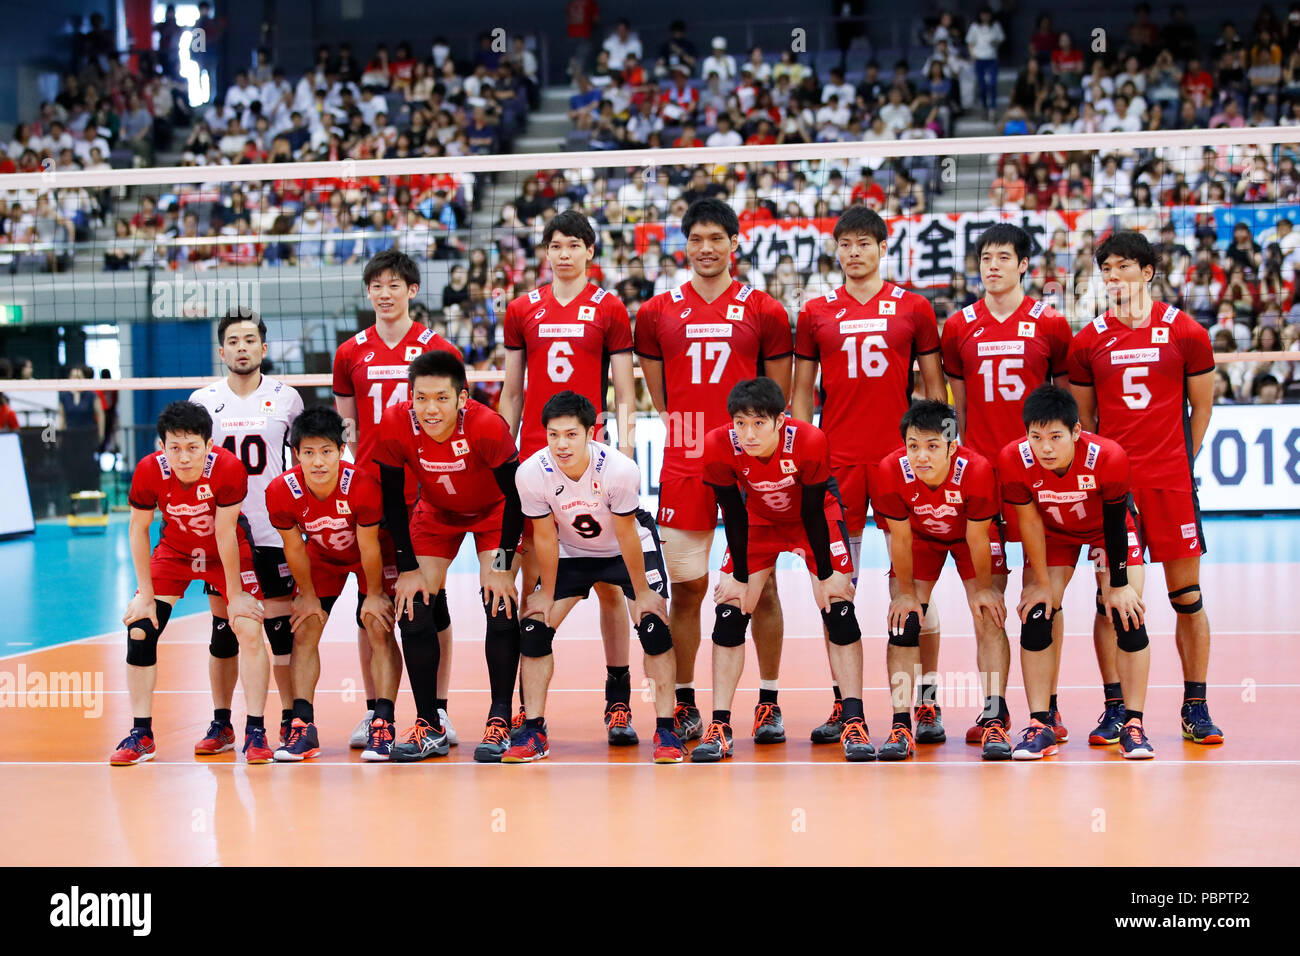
251	451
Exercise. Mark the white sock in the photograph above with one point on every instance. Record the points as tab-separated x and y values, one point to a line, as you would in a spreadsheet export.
767	685
688	685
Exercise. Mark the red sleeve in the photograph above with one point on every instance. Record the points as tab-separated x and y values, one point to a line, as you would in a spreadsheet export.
144	484
1011	475
925	326
1059	337
1113	476
950	346
618	327
888	501
717	455
776	341
230	486
367	499
513	333
278	509
1198	355
805	337
343	370
981	493
815	469
491	439
1078	364
646	333
390	447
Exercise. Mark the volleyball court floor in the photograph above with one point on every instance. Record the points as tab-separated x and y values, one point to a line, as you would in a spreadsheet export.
794	803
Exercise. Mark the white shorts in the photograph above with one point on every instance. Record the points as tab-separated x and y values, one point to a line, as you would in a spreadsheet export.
686	553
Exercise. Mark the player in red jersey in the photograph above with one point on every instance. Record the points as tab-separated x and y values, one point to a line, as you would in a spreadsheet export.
465	459
339	507
572	335
370	376
771	476
865	337
1135	371
1070	489
995	352
696	342
198	487
940	498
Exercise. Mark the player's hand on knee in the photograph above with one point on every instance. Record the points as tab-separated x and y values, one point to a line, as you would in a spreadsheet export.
244	604
899	608
1031	596
649	603
378	607
537	605
409	585
838	587
1127	602
140	608
988	601
498	586
304	607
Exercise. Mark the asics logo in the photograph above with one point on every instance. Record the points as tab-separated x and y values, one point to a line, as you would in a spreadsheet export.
649	627
1037	614
840	313
686	312
843	611
979	332
369	356
1038	483
1113	340
726	612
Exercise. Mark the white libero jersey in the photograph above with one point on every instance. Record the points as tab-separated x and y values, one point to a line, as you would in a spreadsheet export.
584	509
256	430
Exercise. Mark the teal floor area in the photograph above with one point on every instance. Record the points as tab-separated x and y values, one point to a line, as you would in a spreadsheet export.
60	586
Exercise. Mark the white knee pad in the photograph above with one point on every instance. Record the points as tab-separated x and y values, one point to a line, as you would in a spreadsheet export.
686	553
930	623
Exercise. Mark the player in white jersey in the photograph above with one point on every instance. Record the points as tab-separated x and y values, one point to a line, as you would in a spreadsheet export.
584	499
251	418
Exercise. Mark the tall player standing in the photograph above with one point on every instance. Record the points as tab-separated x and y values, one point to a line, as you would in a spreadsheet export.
995	352
369	376
251	418
696	343
566	336
866	336
1141	375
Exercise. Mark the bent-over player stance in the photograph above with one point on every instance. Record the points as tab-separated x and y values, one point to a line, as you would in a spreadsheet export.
198	487
940	498
338	506
787	504
1070	488
588	527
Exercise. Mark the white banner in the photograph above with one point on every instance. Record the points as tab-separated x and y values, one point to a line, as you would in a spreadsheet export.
15	503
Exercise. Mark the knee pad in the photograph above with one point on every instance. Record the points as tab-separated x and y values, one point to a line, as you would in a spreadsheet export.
841	623
502	624
929	620
420	624
1129	640
224	644
1189	608
911	636
535	638
279	634
729	626
1101	608
441	614
654	635
1036	632
143	651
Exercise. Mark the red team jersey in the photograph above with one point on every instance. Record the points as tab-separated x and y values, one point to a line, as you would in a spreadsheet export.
566	347
940	514
455	475
330	523
866	351
1069	504
1140	379
706	348
368	370
1001	363
773	488
190	512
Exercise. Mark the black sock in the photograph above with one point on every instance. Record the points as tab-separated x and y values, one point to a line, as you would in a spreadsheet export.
1193	690
852	708
535	723
722	715
146	724
905	718
422	653
303	710
287	713
1051	704
254	723
928	694
836	691
1114	693
384	709
1130	714
440	703
618	686
501	648
663	723
766	696
370	703
222	714
995	708
1042	716
686	696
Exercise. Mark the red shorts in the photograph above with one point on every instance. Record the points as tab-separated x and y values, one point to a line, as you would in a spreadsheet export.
929	555
329	577
687	504
1064	552
1170	522
438	533
858	485
767	541
172	571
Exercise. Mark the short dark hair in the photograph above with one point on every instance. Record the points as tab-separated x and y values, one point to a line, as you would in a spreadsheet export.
757	396
319	421
573	224
1005	234
234	317
1047	404
930	415
1127	244
857	219
185	418
568	404
713	211
441	364
402	266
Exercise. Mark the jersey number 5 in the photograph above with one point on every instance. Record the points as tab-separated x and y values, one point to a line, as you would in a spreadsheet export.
1135	394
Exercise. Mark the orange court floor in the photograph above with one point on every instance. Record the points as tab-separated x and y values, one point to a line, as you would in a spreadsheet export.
794	803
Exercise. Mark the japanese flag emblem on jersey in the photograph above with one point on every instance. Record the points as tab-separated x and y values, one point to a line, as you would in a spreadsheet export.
1026	330
1159	336
887	308
788	467
1087	482
268	406
735	313
204	492
343	507
595	487
459	446
412	352
952	497
587	313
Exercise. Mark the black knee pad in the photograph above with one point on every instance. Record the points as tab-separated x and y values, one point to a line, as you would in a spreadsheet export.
729	626
502	624
1036	632
654	635
143	651
420	625
441	615
1129	640
280	635
1190	608
535	638
224	644
911	636
842	623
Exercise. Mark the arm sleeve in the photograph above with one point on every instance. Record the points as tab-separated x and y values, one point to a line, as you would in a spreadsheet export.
388	444
735	522
950	347
343	371
512	520
396	518
368	499
646	334
618	327
812	511
1115	533
531	499
625	486
888	502
927	326
805	342
512	334
981	491
1013	489
1198	356
776	338
233	486
280	517
1060	344
1077	365
143	494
